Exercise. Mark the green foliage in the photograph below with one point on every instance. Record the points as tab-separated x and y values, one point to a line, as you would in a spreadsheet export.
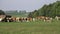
33	14
2	12
50	10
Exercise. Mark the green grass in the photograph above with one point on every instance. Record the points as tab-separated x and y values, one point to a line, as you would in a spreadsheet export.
18	14
37	27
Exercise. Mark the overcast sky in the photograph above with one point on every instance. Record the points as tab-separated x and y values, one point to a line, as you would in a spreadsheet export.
28	5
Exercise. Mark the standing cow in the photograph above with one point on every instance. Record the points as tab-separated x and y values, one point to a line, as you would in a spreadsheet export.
57	18
2	17
48	19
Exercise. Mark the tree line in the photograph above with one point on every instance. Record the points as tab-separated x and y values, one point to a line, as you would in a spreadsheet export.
2	12
50	10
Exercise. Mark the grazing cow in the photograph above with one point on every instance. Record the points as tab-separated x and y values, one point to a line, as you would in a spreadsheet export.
30	19
33	19
48	19
7	18
44	18
21	19
17	19
27	19
12	18
40	17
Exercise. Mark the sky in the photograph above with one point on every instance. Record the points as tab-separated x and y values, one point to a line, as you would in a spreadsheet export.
28	5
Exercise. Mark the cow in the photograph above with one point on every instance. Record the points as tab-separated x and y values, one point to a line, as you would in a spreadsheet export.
57	18
40	17
48	19
44	18
7	18
13	18
2	17
17	19
28	19
22	19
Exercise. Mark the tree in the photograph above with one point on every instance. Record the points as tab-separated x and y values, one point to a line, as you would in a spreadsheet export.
50	10
2	12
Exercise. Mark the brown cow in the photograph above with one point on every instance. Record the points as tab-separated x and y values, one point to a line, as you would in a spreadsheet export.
28	19
48	19
44	18
40	18
14	19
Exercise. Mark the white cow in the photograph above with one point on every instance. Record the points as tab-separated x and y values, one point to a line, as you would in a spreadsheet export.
17	19
2	17
57	18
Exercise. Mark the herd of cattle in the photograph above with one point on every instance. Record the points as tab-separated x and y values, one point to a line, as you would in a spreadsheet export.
7	18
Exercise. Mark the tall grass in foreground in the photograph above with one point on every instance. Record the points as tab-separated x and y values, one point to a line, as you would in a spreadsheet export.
37	27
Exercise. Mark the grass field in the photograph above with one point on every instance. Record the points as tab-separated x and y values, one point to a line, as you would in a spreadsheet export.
37	27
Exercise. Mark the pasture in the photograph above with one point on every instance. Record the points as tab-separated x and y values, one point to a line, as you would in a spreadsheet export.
37	27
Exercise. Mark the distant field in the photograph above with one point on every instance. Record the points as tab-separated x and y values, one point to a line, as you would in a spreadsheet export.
37	27
18	14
